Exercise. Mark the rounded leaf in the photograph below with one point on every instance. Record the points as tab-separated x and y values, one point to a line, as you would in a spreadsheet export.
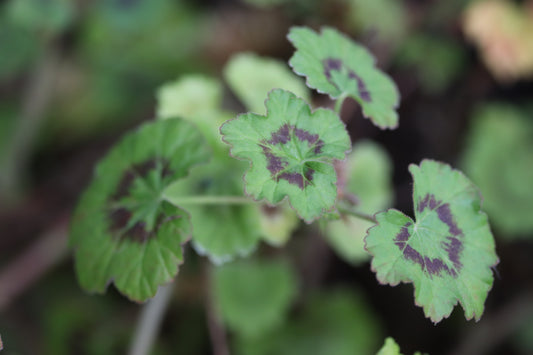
291	151
448	250
123	230
335	65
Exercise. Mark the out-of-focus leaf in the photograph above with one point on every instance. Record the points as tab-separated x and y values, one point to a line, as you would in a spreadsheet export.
252	77
499	158
220	231
252	296
366	174
50	16
335	322
188	97
335	65
391	348
501	31
277	224
438	62
392	23
123	230
447	251
19	49
291	151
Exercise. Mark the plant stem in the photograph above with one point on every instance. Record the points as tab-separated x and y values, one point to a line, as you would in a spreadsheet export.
209	200
338	104
358	214
150	321
217	332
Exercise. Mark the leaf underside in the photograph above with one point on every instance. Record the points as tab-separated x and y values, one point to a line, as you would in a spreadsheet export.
335	65
122	230
448	250
291	151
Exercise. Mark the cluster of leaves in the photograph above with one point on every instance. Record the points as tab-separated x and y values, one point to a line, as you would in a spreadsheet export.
152	193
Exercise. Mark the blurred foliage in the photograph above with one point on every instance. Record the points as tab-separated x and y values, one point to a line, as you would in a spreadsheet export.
438	62
254	296
335	321
499	159
365	180
392	25
500	29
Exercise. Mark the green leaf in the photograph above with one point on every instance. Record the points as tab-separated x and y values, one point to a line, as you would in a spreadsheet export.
123	231
254	296
447	251
393	20
221	232
49	17
336	322
190	96
277	224
196	99
291	151
365	178
335	65
389	348
499	158
251	78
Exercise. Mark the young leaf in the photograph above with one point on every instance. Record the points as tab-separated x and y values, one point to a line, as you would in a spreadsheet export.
365	176
251	78
499	159
391	348
123	230
254	296
291	150
335	65
447	251
277	224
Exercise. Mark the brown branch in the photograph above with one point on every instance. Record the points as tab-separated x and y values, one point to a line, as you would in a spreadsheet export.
32	263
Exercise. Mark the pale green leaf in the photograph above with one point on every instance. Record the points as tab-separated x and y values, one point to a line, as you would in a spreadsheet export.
252	77
254	296
393	20
335	65
389	348
365	177
448	250
190	96
277	224
291	151
499	159
123	231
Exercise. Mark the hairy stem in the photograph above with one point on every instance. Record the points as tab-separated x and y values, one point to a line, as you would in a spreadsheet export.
357	214
150	321
209	200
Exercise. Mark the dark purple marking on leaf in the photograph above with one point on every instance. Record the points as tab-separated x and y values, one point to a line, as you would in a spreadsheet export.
119	219
454	247
445	215
412	254
281	136
139	170
276	165
330	64
428	201
433	266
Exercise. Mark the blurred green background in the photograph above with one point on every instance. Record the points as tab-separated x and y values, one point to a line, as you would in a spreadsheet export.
75	75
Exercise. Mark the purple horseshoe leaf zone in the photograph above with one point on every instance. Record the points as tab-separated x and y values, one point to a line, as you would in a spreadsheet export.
276	164
330	64
119	217
453	245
